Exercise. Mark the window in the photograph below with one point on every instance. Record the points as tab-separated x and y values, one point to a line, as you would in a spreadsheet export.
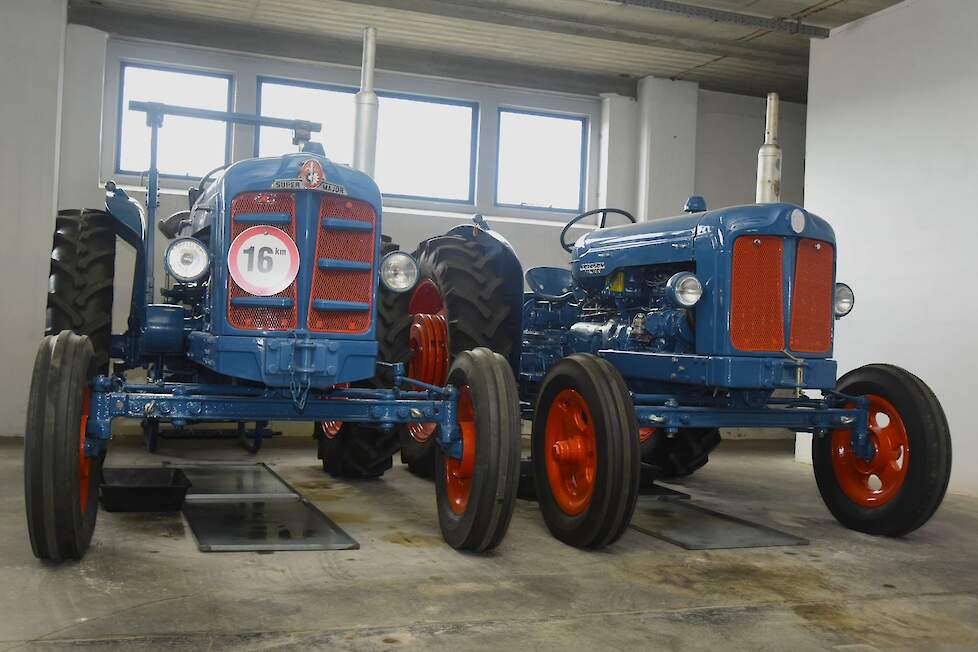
210	138
333	108
541	160
425	146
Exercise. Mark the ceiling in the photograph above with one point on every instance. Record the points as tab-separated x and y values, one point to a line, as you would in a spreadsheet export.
580	46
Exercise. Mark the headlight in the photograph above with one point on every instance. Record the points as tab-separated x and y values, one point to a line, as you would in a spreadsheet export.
844	299
399	271
684	289
187	260
797	220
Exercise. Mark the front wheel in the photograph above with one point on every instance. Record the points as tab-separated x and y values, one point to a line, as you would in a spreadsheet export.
477	493
901	487
585	452
60	481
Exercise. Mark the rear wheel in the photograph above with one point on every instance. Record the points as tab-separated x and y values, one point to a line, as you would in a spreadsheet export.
60	481
477	493
353	450
680	455
458	283
901	486
585	452
81	279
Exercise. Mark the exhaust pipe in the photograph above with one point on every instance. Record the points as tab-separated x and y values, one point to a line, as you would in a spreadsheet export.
769	156
365	130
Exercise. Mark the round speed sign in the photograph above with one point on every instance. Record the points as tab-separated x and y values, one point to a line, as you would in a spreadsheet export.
263	260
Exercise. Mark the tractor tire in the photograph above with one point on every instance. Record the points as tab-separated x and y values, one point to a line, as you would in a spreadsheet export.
476	494
679	456
901	487
81	279
585	449
353	450
457	280
60	482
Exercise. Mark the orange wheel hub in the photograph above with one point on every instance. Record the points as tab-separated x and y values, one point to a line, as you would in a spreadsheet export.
458	473
570	447
873	482
645	433
428	340
84	461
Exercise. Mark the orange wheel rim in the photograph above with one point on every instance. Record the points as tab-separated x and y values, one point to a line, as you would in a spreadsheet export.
426	299
570	448
332	428
458	473
428	339
873	482
84	461
645	433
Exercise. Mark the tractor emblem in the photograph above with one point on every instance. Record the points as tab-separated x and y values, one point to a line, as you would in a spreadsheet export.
311	174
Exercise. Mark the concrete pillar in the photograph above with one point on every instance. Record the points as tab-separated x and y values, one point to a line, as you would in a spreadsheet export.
32	47
618	152
79	185
667	146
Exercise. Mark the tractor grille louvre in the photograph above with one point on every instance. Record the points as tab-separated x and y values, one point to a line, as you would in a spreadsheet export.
812	297
342	246
262	318
757	294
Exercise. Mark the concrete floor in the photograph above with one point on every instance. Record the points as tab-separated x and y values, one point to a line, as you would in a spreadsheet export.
144	585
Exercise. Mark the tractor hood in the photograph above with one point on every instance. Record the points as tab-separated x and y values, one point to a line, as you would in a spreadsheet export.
671	239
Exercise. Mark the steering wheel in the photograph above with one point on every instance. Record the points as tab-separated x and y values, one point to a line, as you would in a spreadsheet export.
601	223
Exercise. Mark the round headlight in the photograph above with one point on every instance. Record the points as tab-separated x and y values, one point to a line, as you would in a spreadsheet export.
684	289
844	299
187	260
399	271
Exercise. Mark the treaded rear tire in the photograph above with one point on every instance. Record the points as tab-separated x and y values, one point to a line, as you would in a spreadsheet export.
491	497
81	279
929	459
357	451
59	526
682	455
475	307
610	507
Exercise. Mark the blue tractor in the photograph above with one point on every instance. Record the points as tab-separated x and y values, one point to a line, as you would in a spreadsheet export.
659	334
270	313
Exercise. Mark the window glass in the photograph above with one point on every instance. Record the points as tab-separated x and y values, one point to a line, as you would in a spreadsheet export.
333	109
181	88
540	160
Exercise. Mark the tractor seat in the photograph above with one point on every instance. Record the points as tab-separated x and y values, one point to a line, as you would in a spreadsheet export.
551	283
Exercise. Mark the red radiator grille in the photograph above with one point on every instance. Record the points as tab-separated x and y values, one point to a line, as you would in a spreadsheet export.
757	294
342	244
811	299
269	319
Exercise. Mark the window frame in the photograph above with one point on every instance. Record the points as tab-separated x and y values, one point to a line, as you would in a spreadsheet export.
583	160
473	106
121	111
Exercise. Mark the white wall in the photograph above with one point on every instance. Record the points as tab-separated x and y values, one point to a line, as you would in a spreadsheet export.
32	37
666	146
730	129
892	162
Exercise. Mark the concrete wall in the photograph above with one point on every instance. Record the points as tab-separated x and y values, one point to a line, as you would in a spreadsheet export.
730	129
892	161
32	39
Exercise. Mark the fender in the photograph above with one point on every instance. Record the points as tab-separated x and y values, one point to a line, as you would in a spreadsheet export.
130	225
508	268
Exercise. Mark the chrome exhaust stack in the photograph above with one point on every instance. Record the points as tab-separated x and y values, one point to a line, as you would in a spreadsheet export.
365	130
769	156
